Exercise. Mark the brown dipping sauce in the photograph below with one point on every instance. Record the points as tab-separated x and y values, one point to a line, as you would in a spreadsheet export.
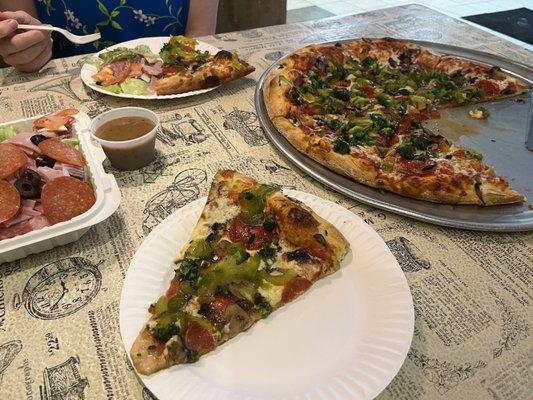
123	129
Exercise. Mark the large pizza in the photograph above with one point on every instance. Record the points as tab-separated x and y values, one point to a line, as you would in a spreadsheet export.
357	108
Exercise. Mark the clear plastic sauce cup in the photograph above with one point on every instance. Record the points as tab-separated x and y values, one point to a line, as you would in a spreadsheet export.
128	154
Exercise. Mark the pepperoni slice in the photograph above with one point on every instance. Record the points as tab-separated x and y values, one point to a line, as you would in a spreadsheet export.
9	201
65	197
56	120
197	338
220	304
253	237
491	89
294	288
61	152
12	158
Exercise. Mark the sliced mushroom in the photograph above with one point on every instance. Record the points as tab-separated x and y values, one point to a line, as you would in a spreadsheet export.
237	318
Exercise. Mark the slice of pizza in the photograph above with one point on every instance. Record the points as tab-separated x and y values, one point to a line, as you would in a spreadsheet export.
186	68
253	250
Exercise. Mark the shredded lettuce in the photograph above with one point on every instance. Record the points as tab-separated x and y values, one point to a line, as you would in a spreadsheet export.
134	86
72	142
7	132
122	53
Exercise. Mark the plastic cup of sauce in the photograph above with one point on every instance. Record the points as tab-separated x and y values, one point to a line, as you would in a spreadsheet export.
127	136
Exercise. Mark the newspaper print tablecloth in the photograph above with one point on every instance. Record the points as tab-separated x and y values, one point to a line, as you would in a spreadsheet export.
472	291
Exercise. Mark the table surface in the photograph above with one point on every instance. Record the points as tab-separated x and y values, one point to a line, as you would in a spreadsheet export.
472	291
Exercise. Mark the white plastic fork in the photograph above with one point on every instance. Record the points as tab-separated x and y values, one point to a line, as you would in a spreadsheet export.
70	36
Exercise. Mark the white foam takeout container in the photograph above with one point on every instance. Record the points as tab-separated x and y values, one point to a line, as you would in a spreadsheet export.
107	199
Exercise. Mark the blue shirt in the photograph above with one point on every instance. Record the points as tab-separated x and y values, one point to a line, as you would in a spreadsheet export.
116	20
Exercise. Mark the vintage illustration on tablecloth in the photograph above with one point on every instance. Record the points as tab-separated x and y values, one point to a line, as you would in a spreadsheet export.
407	254
63	381
513	328
8	352
186	129
184	189
61	288
443	374
245	124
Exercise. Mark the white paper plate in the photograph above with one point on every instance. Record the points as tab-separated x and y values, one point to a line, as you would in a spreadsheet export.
155	44
346	338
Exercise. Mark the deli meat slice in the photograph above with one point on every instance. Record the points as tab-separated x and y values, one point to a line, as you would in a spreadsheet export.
9	201
65	198
11	159
32	224
62	152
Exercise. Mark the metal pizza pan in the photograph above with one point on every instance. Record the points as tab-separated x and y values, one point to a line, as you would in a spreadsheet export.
501	139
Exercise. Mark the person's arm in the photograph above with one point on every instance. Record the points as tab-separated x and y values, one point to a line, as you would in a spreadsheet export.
19	5
202	18
27	50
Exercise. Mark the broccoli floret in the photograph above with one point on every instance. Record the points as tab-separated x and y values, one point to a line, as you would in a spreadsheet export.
268	254
263	305
188	270
165	328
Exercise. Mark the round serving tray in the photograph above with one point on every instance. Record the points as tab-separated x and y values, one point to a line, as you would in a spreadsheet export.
501	139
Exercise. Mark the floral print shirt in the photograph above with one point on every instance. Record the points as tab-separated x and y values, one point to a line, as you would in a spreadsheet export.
116	20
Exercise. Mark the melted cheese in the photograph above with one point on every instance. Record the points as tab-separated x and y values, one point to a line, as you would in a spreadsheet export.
272	293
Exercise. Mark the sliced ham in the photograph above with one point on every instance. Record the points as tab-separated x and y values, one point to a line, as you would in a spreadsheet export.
118	67
72	170
47	173
25	213
23	227
154	69
23	140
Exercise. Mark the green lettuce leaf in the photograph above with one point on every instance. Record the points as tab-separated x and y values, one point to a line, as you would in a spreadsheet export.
114	88
134	86
72	142
7	132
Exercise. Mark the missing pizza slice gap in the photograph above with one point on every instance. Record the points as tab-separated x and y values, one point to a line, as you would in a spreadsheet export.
252	251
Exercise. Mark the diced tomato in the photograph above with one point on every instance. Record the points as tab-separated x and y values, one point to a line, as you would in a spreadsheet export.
170	69
295	287
253	237
490	88
173	288
369	90
404	125
198	338
393	140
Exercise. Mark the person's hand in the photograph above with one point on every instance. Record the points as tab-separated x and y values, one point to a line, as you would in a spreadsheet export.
27	51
